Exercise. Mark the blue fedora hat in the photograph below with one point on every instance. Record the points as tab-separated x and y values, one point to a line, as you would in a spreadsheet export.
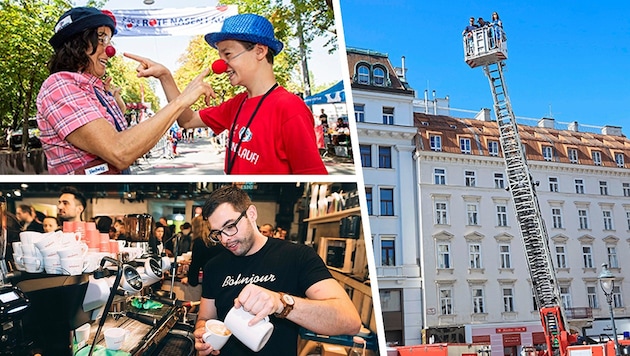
246	27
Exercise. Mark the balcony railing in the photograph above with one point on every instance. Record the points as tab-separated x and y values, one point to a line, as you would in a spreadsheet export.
579	313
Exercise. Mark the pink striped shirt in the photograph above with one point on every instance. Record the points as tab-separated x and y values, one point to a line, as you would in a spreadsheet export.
66	102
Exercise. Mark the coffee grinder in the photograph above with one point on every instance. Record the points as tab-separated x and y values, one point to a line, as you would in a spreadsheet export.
139	228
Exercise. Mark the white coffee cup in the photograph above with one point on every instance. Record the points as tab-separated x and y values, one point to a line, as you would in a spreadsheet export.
30	237
82	335
115	337
33	264
17	248
73	266
68	238
256	336
217	334
52	264
29	249
19	262
47	240
73	251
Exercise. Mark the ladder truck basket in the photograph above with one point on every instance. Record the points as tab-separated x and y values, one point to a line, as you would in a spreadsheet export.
484	45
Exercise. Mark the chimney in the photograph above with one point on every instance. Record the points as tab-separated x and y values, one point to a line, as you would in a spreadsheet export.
546	123
612	130
404	70
573	126
483	115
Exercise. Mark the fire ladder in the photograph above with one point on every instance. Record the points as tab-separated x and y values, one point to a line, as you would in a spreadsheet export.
534	236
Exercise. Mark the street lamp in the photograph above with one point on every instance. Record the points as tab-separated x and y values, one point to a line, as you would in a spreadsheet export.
607	282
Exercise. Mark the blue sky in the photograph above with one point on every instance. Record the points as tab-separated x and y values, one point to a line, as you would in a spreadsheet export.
568	59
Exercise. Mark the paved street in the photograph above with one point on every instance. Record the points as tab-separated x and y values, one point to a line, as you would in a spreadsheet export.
202	158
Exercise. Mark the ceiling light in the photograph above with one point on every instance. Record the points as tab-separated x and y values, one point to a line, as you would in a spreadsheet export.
148	2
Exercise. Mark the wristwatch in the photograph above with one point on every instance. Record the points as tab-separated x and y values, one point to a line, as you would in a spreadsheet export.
287	303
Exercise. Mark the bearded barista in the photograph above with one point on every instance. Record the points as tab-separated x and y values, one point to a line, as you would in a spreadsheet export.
71	204
289	282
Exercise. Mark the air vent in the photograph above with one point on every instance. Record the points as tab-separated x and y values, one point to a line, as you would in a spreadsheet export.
454	126
424	123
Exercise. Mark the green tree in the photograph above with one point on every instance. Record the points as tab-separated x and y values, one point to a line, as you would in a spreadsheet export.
26	26
133	89
316	18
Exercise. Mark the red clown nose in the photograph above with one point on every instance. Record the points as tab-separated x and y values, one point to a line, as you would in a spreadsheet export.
219	66
110	51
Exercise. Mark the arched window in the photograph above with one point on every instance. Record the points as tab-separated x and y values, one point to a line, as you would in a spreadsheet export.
364	74
379	76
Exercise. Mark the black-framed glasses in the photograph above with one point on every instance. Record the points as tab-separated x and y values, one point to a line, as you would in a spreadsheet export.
229	230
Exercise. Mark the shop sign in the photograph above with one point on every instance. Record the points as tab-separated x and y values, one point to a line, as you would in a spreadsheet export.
511	330
481	339
511	339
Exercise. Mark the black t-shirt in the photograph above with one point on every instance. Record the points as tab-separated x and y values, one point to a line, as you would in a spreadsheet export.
279	266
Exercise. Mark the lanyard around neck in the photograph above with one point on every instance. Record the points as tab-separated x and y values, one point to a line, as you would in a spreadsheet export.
231	156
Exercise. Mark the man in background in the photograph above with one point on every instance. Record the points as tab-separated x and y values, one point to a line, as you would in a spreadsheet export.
26	216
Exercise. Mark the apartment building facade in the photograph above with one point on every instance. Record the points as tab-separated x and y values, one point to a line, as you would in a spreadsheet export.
455	218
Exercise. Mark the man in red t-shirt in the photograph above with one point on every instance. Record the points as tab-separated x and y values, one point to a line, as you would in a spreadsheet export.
247	45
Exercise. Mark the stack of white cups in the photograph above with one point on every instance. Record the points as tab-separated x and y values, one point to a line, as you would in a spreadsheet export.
54	252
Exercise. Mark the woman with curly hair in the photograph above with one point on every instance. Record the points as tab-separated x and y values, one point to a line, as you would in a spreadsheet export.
79	111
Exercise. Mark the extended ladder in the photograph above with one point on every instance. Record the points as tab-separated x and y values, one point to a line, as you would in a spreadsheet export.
531	224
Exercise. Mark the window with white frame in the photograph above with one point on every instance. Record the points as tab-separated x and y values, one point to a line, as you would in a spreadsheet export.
587	256
478	300
472	213
359	112
464	145
441	213
603	187
617	299
439	176
499	181
583	219
384	157
619	159
366	155
628	219
553	184
508	299
446	300
611	252
608	220
369	200
493	148
502	215
579	186
474	254
387	201
565	296
443	255
379	76
470	178
556	218
561	256
626	189
591	294
597	158
435	142
388	115
505	256
388	251
364	74
573	155
547	152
